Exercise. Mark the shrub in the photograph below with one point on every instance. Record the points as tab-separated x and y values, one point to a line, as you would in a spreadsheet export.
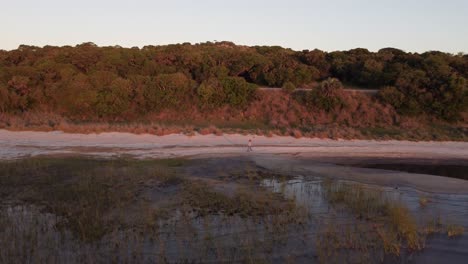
4	99
78	98
392	96
327	96
167	91
403	104
238	92
289	87
211	93
114	100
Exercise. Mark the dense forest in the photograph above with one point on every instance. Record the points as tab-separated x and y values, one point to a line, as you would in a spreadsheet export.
91	83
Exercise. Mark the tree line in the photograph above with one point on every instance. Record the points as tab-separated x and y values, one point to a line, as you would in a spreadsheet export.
114	82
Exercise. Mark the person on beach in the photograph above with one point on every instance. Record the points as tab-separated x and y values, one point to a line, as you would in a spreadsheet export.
249	146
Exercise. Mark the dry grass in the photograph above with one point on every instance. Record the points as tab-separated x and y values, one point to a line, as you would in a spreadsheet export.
455	230
131	211
85	193
388	224
243	202
423	201
363	118
79	210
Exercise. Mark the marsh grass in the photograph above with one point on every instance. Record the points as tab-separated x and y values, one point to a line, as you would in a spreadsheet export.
136	211
455	230
435	226
256	175
390	227
86	194
113	210
201	197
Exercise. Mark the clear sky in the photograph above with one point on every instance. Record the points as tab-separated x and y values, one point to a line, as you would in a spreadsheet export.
411	25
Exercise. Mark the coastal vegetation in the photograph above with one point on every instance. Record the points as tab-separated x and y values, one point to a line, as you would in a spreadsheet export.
214	83
79	209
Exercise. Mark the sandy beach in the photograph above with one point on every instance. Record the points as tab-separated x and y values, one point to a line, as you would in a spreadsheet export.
26	143
288	154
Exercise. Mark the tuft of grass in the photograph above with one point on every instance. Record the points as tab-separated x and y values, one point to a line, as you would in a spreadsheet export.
257	175
204	200
404	225
390	241
395	226
423	201
364	203
433	226
455	230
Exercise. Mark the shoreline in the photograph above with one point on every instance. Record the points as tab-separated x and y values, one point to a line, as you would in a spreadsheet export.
287	154
179	145
220	134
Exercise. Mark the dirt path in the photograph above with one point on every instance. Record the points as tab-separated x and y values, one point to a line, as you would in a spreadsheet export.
365	91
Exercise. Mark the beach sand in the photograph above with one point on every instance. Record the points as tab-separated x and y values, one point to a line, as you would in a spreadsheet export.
287	154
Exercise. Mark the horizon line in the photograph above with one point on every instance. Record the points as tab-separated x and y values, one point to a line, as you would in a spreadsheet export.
140	47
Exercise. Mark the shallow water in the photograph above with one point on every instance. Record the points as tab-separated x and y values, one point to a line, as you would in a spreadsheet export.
447	170
452	209
216	238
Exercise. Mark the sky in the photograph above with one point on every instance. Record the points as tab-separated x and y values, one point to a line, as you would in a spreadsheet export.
410	25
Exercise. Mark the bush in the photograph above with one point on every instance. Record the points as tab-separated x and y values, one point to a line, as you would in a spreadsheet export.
211	93
167	91
114	100
238	92
392	96
289	87
454	99
78	98
4	99
327	96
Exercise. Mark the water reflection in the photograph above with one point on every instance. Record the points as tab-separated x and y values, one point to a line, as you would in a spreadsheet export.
449	209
